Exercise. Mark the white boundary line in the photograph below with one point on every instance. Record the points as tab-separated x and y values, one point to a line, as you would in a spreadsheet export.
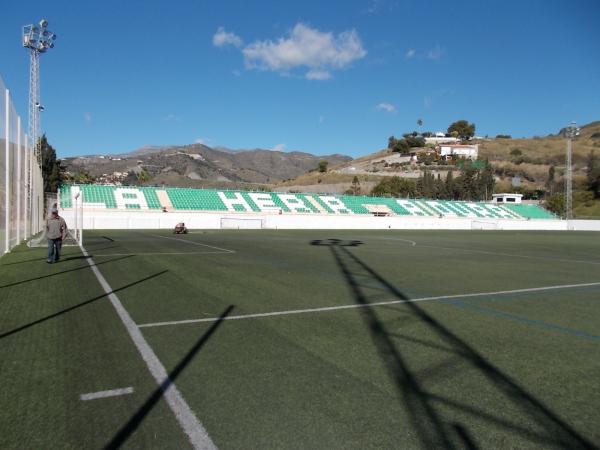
190	424
513	255
485	252
105	394
356	306
163	253
193	243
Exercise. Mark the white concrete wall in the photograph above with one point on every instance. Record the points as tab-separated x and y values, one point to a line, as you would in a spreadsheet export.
584	225
156	220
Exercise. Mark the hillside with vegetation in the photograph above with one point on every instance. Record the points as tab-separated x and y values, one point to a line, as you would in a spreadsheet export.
534	167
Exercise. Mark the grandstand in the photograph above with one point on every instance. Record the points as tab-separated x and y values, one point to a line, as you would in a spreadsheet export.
286	210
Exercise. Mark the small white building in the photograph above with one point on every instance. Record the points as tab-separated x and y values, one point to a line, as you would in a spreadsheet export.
441	140
462	151
507	198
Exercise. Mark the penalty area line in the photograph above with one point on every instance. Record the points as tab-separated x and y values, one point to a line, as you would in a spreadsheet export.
106	394
163	253
369	305
188	421
193	243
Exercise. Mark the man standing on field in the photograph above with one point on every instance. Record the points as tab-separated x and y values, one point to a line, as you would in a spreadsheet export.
56	231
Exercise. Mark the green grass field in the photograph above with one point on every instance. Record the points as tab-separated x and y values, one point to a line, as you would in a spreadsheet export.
306	339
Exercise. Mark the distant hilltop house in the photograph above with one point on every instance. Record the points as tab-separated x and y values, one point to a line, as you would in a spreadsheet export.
441	138
507	198
457	150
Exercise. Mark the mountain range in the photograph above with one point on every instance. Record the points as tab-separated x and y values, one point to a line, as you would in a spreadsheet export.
200	165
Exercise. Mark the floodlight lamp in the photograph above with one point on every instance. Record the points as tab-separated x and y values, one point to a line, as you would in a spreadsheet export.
35	29
43	23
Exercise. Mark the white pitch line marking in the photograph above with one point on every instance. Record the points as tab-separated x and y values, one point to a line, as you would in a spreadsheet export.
513	255
162	253
106	394
194	243
188	421
356	306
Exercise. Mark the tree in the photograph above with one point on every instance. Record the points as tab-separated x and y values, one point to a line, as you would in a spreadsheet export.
394	187
556	204
463	128
450	187
143	176
550	181
468	185
440	188
486	181
401	146
50	166
323	166
593	174
426	185
413	141
355	187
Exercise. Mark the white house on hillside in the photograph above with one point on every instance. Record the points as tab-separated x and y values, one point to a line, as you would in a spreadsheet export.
461	151
507	198
441	139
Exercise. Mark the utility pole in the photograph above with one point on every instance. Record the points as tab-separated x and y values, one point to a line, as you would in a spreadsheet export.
570	132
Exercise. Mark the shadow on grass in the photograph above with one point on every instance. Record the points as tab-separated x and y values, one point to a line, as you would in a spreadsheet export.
135	421
87	266
79	305
66	256
425	409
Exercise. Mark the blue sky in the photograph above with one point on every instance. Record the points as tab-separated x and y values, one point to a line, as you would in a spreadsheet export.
322	77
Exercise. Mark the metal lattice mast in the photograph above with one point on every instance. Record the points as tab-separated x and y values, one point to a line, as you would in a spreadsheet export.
571	132
37	39
34	97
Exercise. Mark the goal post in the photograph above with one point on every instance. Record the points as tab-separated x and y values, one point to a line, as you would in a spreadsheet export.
484	225
74	219
242	223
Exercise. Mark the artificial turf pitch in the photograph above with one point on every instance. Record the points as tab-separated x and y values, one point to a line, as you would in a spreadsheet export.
503	370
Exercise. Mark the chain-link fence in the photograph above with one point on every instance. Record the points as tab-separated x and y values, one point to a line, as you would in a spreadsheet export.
21	183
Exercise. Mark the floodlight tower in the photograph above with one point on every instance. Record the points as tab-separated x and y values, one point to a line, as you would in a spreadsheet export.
37	39
571	132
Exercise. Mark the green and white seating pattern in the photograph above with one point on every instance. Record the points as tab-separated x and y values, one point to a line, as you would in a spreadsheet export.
181	199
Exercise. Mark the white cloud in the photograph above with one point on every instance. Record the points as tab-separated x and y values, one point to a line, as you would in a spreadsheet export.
305	47
315	74
410	53
279	148
387	107
171	118
377	6
222	38
435	53
87	116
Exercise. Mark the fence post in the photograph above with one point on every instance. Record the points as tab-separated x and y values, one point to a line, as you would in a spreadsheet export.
26	191
7	174
19	180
